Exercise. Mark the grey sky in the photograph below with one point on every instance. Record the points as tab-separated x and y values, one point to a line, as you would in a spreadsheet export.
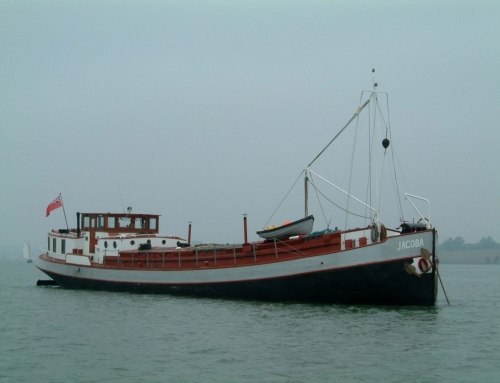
203	111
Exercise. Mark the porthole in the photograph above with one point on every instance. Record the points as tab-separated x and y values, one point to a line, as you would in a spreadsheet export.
132	242
114	244
106	244
163	242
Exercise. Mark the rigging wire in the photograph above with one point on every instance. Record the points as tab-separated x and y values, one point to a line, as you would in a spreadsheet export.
340	207
395	188
393	152
382	115
382	176
319	201
382	124
370	151
372	127
272	215
356	114
356	131
368	184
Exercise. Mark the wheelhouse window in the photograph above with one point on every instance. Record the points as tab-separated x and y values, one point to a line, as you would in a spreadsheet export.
111	222
48	243
152	224
100	221
86	222
124	222
63	246
54	247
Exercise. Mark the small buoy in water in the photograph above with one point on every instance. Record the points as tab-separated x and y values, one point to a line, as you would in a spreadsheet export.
386	143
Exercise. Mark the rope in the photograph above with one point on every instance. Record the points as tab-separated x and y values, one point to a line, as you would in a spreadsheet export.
369	183
356	114
341	208
319	201
291	247
352	163
382	176
272	215
395	181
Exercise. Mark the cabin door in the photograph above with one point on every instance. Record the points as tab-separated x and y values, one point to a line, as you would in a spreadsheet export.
92	235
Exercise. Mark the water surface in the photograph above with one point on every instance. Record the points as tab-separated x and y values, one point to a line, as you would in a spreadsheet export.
49	334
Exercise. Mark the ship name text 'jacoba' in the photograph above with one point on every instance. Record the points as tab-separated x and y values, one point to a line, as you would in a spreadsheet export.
411	243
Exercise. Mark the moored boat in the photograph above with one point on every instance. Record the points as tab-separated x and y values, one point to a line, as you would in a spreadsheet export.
370	264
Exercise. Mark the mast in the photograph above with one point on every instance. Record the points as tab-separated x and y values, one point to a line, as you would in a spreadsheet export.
64	211
372	166
306	195
377	192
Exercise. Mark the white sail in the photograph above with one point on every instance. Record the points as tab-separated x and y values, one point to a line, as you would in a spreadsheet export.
26	251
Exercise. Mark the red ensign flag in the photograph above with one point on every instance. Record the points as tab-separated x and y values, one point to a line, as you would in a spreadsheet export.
54	205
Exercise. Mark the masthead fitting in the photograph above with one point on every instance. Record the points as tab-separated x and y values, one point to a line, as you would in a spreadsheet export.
386	143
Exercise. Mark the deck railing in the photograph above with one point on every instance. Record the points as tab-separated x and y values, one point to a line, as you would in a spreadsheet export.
203	256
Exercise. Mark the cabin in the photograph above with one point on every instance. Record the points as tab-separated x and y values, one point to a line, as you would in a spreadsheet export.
106	234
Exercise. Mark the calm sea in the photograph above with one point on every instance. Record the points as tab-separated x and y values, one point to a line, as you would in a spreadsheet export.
48	334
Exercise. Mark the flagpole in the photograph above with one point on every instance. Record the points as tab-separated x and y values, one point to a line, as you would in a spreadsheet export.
64	211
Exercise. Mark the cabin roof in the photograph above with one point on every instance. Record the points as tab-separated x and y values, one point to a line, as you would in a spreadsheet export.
120	215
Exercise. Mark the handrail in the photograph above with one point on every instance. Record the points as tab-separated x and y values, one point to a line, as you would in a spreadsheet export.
427	220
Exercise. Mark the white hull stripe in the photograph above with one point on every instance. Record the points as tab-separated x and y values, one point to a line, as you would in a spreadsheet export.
369	255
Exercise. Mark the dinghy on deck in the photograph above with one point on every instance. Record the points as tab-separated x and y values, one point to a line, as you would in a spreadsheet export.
303	226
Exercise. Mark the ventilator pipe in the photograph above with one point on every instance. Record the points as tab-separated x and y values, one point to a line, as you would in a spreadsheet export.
245	227
78	225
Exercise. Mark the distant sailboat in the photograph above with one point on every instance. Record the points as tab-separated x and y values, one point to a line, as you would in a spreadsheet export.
27	252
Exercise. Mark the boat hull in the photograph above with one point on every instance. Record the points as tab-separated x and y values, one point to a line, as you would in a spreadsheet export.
372	275
370	284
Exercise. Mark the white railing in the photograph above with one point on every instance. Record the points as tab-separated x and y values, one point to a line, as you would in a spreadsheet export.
426	220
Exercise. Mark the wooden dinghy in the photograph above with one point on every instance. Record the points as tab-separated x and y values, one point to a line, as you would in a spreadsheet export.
303	226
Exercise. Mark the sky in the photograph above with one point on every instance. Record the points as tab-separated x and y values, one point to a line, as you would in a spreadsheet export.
205	111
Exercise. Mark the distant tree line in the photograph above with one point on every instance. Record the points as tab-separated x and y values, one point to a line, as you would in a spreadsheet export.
458	244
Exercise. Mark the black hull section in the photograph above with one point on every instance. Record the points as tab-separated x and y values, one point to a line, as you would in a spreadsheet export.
378	284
